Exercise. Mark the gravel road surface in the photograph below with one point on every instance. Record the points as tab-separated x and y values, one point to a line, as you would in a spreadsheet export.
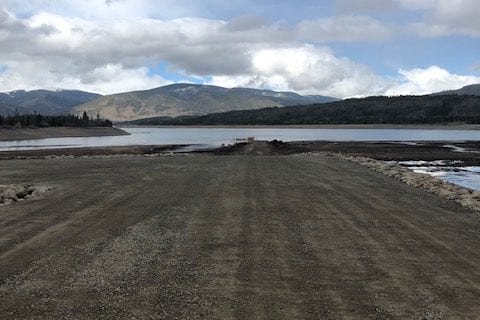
232	237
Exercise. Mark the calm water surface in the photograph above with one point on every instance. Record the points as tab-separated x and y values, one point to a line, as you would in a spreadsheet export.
211	137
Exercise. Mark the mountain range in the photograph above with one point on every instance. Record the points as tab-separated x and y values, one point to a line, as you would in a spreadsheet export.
168	101
189	99
43	101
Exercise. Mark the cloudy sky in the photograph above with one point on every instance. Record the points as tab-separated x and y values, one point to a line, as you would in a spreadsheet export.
340	48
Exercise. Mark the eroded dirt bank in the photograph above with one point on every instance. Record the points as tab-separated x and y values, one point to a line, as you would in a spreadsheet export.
236	237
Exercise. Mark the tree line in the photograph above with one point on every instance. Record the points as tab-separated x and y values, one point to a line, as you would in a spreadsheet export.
371	110
39	120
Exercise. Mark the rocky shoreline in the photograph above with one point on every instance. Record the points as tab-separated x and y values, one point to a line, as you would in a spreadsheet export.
464	196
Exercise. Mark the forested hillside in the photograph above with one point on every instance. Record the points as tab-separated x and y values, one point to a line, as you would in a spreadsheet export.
371	110
38	120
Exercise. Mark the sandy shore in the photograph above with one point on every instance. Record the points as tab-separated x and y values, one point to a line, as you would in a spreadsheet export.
57	132
232	237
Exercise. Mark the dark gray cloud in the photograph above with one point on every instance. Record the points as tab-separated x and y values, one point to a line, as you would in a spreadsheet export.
109	2
352	6
245	23
343	28
445	17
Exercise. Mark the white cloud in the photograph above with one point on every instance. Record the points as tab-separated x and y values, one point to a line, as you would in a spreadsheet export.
307	70
112	55
48	50
104	80
310	70
429	80
103	9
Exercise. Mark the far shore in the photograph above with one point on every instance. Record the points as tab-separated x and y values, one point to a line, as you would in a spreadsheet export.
8	134
454	126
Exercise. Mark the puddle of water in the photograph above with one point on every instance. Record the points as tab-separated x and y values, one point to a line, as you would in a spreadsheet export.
468	176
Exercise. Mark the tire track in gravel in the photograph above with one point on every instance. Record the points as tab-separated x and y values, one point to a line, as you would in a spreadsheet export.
262	291
328	252
303	270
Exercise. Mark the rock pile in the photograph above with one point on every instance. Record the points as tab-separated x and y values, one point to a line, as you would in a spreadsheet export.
466	197
13	193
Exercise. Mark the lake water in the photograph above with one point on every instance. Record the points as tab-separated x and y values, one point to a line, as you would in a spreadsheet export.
211	137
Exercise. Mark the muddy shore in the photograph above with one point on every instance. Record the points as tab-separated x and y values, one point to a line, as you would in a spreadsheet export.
388	151
248	235
89	152
7	134
466	151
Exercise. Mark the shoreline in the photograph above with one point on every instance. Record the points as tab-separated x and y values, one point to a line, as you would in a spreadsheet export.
464	196
90	152
7	134
379	150
324	126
